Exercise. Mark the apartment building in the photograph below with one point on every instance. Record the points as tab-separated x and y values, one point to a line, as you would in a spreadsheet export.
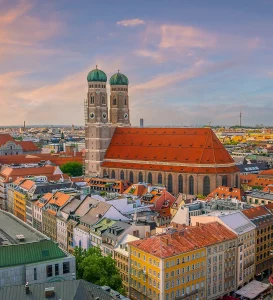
262	218
196	262
245	231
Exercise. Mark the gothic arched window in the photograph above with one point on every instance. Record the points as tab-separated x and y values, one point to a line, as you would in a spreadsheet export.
140	177
159	178
206	185
191	185
236	181
122	175
170	183
114	101
180	184
150	178
125	101
131	177
113	174
224	180
92	99
103	100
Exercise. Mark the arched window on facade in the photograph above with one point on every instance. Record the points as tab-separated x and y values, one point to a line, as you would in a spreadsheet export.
92	99
104	173
150	178
122	175
170	183
140	177
224	180
125	101
113	174
191	185
114	101
159	178
131	177
237	181
103	100
180	184
206	185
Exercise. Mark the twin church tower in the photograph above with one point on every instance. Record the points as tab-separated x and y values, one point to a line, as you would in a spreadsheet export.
103	116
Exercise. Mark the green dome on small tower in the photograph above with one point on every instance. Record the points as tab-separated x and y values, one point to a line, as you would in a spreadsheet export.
96	75
119	79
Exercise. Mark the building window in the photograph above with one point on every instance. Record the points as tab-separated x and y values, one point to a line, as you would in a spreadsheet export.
114	101
131	177
236	181
113	174
92	99
66	267
125	101
180	184
159	178
104	173
150	178
35	274
56	269
206	185
122	175
224	180
140	177
103	100
191	185
170	183
49	271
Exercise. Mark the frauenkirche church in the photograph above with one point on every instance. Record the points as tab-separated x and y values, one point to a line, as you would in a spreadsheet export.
185	160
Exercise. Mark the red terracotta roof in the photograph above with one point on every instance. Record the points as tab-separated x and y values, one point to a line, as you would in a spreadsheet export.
55	159
59	199
189	146
224	192
255	212
188	239
5	138
27	145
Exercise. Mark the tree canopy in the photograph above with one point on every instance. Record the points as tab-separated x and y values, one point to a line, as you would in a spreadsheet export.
72	168
92	266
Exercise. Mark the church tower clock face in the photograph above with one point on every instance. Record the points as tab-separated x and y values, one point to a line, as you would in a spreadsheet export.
126	116
104	115
92	115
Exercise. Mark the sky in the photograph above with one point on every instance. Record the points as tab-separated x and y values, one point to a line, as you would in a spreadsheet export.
188	62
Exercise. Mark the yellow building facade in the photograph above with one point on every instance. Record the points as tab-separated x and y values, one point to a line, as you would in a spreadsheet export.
20	205
180	276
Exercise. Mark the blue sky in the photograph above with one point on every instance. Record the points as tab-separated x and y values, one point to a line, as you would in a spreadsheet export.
188	62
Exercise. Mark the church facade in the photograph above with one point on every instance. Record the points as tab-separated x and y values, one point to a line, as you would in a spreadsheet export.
185	160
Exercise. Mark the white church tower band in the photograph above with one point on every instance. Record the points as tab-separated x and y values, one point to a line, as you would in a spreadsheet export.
98	129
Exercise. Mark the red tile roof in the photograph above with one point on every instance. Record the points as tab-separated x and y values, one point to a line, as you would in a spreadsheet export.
27	145
37	157
130	147
224	192
255	212
4	138
190	238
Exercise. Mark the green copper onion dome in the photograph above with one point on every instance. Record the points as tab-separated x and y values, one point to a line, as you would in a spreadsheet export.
119	79
96	75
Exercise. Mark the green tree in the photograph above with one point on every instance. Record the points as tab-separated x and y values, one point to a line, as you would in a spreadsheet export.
92	266
72	168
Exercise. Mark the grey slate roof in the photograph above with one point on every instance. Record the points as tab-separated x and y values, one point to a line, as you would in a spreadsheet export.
65	290
114	231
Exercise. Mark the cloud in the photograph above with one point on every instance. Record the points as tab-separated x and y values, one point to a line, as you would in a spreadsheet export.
131	22
19	28
184	37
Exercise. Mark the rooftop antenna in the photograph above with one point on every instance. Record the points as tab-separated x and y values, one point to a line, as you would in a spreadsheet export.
240	116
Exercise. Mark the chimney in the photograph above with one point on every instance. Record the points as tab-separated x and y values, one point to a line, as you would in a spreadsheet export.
27	289
197	224
49	292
